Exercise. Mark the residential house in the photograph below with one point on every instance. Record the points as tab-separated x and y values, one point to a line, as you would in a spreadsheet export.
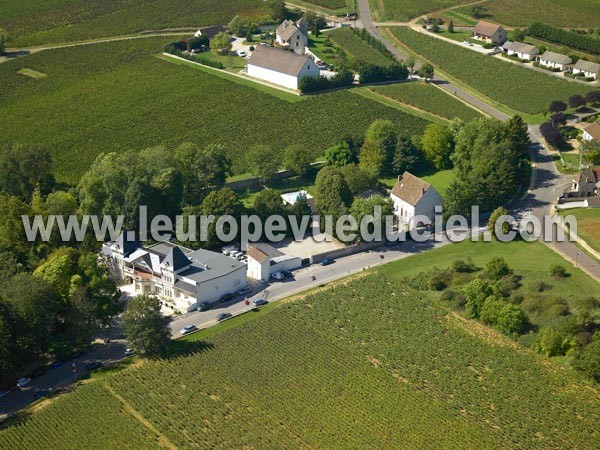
555	60
292	197
491	33
587	69
586	183
180	277
265	260
523	51
280	67
293	35
592	132
414	197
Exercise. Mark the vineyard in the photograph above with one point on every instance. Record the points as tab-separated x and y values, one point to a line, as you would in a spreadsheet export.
429	98
366	364
358	50
117	96
31	22
405	10
514	86
329	4
558	13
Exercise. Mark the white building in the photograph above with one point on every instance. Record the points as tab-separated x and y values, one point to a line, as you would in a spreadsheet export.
592	132
291	198
488	32
555	60
413	197
523	51
264	260
587	69
293	35
280	67
182	278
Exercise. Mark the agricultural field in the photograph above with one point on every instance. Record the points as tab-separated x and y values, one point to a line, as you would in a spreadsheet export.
31	22
362	364
404	10
328	4
517	87
559	13
588	225
429	98
118	96
357	50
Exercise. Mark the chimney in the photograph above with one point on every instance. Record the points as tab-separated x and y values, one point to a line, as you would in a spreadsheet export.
422	191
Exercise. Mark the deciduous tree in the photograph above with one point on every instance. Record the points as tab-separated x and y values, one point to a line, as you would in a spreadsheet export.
146	330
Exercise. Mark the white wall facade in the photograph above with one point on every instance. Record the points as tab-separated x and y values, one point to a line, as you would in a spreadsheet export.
257	270
425	207
271	76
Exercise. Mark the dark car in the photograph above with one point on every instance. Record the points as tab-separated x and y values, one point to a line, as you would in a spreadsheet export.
223	316
95	365
204	306
245	290
326	261
57	364
287	274
226	298
260	302
40	394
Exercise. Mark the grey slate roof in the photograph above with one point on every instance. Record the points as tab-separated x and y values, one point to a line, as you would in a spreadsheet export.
587	66
282	61
206	265
556	58
127	243
521	47
175	259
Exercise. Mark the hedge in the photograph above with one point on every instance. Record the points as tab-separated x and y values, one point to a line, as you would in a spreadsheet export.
570	39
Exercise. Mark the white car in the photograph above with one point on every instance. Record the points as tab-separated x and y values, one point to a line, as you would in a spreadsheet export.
188	329
129	352
23	382
242	53
278	276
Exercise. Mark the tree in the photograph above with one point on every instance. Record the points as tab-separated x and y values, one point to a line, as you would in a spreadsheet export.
590	151
451	26
23	168
263	162
277	9
476	292
437	145
511	319
588	359
372	159
3	40
315	23
222	43
557	271
406	157
497	268
427	72
332	194
410	63
478	11
364	207
496	214
146	330
551	342
221	202
557	106
268	203
518	131
339	155
198	42
593	97
575	101
236	26
297	158
379	148
356	178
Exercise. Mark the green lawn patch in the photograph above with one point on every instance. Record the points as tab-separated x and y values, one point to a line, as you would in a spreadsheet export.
516	87
32	73
357	49
117	96
588	225
230	62
429	98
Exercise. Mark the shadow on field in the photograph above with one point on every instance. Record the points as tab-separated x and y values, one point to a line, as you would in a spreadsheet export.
187	348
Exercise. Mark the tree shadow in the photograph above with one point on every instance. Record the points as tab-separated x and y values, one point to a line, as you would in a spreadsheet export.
179	348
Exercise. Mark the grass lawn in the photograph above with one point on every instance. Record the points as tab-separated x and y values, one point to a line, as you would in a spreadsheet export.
439	180
429	98
516	87
588	225
559	13
404	10
459	36
117	96
360	364
35	22
282	186
230	62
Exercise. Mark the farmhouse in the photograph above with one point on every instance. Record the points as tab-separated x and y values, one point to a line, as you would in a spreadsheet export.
178	276
414	197
587	69
264	260
523	51
592	132
293	35
280	67
555	60
587	183
492	33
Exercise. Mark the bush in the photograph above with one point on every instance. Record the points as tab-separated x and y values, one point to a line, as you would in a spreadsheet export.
497	268
311	84
541	286
551	342
558	271
462	266
371	73
588	359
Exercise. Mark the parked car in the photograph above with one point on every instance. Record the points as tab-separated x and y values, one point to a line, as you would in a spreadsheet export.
188	329
242	53
226	297
468	44
40	394
230	248
204	306
223	316
244	291
322	66
57	364
23	381
129	351
287	273
278	276
260	302
327	261
94	365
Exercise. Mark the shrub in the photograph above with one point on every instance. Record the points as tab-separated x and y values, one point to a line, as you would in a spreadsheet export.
588	359
558	271
311	84
476	292
371	73
462	266
497	268
551	342
541	286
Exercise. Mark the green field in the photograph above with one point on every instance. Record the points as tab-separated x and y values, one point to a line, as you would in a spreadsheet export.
429	98
328	4
365	364
588	225
517	87
560	13
356	49
404	10
34	22
118	96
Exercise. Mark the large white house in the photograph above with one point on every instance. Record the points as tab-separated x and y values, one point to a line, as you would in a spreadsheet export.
281	67
488	32
293	35
587	69
555	60
414	197
182	278
264	260
523	51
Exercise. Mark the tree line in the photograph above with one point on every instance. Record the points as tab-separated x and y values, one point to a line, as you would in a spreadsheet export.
569	38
